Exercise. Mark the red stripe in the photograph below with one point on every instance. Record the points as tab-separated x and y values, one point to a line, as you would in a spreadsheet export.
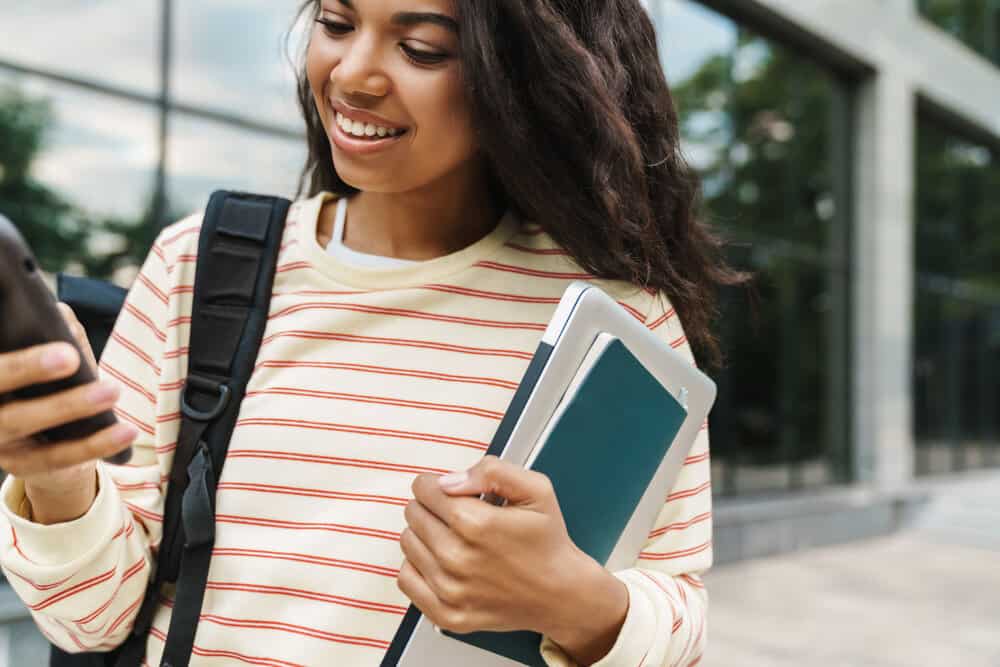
397	342
293	266
128	382
510	268
312	493
365	430
156	250
378	370
380	400
156	291
176	354
176	237
681	525
669	555
310	560
334	460
172	386
138	486
163	419
661	319
145	319
537	251
495	296
633	312
692	581
135	421
136	350
299	525
217	653
143	512
687	493
177	321
677	343
698	458
303	594
290	628
128	574
39	587
73	590
181	289
414	314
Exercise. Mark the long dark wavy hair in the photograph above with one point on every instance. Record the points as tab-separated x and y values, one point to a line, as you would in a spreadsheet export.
599	165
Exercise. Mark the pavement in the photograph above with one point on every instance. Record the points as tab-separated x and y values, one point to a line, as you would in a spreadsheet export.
928	595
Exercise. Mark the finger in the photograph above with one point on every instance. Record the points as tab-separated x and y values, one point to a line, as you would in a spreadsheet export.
79	333
432	533
432	497
413	585
19	419
38	364
494	477
31	458
417	553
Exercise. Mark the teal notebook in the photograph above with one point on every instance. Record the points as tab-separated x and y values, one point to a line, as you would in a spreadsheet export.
606	440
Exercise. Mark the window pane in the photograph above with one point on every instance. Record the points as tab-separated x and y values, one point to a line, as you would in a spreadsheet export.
76	174
231	57
763	127
957	309
110	41
204	156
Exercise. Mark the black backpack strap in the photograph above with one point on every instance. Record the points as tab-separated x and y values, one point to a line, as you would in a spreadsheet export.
237	257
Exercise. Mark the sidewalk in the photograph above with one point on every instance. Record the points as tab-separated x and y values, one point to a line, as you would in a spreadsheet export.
927	596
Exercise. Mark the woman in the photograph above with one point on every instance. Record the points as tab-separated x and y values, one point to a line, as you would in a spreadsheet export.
467	161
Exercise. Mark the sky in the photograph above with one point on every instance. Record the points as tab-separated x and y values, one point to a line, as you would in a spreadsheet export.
228	55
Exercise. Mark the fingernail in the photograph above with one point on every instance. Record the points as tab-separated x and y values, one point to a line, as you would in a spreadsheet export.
124	434
57	358
103	392
453	479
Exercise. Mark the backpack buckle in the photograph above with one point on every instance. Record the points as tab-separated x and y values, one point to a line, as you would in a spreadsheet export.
220	389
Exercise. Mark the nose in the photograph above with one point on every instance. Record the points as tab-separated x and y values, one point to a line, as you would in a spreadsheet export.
360	71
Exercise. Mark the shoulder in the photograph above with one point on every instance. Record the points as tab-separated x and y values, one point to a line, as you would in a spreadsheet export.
532	249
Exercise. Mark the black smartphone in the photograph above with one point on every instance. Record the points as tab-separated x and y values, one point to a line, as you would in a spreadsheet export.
29	315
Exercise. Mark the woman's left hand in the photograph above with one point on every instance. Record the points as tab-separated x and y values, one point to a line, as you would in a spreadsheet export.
472	566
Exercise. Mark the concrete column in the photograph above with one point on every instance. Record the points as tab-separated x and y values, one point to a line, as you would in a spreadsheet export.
883	281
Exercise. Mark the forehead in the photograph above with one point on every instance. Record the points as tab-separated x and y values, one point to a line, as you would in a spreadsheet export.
390	7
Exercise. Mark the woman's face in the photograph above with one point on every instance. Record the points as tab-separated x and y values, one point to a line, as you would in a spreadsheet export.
388	70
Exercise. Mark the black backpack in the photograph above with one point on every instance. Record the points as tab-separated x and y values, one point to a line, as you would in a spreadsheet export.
237	256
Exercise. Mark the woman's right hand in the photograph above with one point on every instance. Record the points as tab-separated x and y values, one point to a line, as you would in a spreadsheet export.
55	468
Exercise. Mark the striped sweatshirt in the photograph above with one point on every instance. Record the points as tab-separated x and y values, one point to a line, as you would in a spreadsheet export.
366	378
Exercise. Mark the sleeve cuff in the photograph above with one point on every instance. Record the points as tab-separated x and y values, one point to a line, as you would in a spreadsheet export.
634	639
62	544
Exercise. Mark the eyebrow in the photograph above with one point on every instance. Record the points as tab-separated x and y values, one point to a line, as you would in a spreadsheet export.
409	19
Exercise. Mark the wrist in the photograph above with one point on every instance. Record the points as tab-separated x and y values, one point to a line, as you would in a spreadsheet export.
60	500
591	612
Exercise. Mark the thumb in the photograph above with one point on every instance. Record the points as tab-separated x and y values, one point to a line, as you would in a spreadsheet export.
499	478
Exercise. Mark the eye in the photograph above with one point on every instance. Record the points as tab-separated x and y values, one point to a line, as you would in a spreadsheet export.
423	57
334	28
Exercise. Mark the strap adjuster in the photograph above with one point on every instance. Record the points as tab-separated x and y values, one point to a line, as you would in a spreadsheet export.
220	389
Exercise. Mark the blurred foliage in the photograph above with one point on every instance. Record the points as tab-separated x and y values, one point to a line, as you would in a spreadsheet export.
758	125
61	234
975	22
957	333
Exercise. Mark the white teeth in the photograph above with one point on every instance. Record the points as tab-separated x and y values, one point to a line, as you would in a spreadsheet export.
359	129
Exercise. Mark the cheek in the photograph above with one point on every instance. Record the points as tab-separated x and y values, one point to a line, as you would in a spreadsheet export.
447	119
320	61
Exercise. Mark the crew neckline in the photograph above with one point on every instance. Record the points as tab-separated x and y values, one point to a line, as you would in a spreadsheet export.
407	275
353	257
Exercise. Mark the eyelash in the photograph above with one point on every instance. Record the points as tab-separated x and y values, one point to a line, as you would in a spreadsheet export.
337	29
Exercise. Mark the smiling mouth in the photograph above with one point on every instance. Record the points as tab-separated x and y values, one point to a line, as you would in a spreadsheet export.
368	131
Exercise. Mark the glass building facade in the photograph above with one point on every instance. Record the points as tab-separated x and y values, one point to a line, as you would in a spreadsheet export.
135	111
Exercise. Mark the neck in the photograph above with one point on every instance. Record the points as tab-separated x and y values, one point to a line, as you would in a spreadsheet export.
416	225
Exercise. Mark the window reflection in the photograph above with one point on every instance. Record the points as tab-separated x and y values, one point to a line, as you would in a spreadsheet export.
764	128
957	309
76	174
204	156
112	41
231	57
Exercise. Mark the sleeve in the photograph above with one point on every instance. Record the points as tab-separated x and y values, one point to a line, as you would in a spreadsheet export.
84	580
666	621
